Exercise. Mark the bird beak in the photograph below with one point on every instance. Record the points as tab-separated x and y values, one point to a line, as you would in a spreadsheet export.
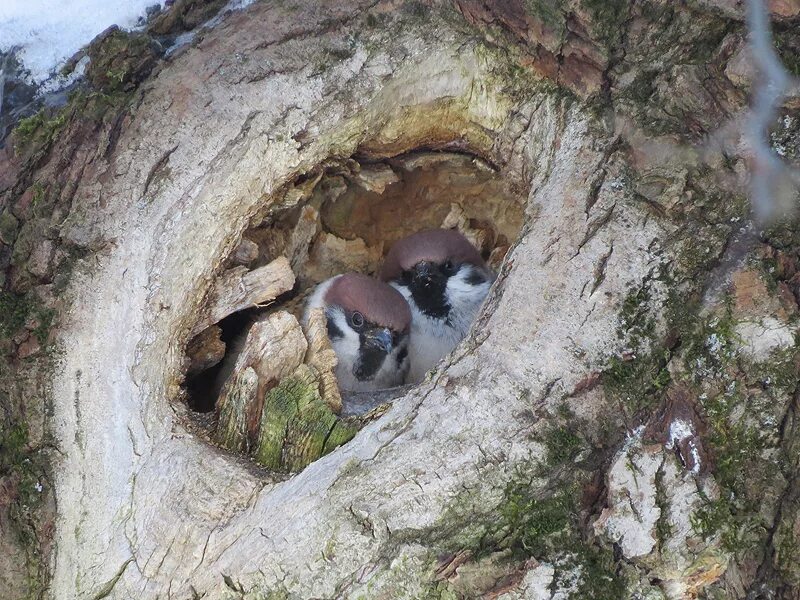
424	274
380	339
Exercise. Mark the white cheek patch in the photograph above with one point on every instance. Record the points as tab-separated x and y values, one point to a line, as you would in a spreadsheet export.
458	286
346	347
347	350
465	298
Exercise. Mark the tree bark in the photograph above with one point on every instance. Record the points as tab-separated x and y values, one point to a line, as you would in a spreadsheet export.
621	421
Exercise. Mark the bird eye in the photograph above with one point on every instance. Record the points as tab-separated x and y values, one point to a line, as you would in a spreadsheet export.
449	267
357	320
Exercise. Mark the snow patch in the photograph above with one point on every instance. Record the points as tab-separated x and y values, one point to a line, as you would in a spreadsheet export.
633	437
44	36
45	33
680	430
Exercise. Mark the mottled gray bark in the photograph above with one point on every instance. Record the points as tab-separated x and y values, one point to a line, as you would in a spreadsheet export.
609	428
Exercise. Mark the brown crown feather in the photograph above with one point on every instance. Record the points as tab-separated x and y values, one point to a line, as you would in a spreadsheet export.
433	245
380	303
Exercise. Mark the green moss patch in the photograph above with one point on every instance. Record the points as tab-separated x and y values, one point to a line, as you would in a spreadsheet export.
533	522
13	312
608	18
550	13
787	43
563	445
185	15
297	426
40	129
548	529
22	476
8	227
638	378
16	309
121	60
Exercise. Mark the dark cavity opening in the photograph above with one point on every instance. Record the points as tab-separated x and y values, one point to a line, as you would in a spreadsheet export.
344	217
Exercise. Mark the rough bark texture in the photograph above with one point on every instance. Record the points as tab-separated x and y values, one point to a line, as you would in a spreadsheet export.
622	422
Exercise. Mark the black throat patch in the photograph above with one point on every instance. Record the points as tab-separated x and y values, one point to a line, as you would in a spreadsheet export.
369	361
432	301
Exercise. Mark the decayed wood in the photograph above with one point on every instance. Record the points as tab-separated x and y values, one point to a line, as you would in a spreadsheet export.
273	349
246	252
240	288
375	178
274	406
331	255
297	426
233	406
301	237
205	350
482	237
322	358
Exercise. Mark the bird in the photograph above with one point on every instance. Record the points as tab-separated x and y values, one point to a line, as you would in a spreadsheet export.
368	324
444	280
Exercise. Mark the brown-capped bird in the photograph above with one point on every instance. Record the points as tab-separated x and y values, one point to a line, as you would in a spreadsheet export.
368	325
445	281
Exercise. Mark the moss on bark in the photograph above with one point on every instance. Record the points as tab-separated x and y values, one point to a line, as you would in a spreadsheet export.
297	426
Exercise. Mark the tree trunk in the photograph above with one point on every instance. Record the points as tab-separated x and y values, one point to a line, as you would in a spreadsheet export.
622	420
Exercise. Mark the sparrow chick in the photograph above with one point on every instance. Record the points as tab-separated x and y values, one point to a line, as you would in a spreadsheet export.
368	325
445	280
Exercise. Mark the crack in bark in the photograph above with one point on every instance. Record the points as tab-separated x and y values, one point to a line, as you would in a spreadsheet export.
363	520
589	314
321	28
766	572
133	442
548	389
114	134
106	590
153	553
157	168
205	547
600	271
594	227
129	516
614	60
594	191
328	435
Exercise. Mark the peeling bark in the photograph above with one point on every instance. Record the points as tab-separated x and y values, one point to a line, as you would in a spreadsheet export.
240	288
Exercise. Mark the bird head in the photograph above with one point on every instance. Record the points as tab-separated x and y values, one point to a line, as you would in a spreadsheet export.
368	321
429	264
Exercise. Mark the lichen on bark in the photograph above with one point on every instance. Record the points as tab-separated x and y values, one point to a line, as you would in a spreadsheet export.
493	474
